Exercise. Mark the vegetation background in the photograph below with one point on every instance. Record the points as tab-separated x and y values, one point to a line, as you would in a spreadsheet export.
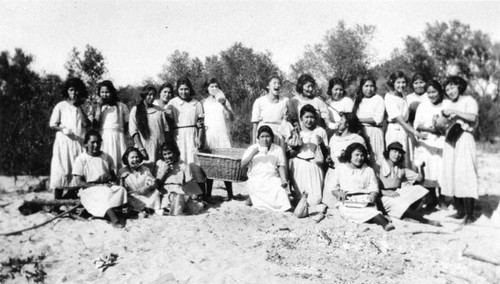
443	49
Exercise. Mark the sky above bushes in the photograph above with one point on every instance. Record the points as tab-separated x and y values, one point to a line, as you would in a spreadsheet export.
137	36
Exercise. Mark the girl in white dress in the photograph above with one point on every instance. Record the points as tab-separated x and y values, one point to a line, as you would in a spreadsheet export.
398	198
306	168
338	103
187	115
459	157
413	100
218	114
142	187
369	107
148	126
355	185
95	172
266	173
347	134
271	110
69	120
398	128
112	118
305	88
429	151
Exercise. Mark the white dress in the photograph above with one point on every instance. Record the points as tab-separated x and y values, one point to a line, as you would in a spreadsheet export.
429	150
373	107
355	180
299	101
264	182
112	122
157	125
216	123
344	105
337	145
185	115
392	178
65	149
397	106
99	198
306	175
459	162
137	179
272	114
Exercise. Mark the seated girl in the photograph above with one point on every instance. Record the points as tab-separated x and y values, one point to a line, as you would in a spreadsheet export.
173	174
266	173
141	185
94	171
355	185
347	134
306	168
397	199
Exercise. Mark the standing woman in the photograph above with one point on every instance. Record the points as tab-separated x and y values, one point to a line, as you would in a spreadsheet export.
338	103
398	128
148	126
370	110
218	114
112	117
459	158
270	109
187	115
418	83
305	96
429	152
69	120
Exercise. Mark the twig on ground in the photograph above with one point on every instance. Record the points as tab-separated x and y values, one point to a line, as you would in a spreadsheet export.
375	245
326	237
456	276
478	257
39	225
5	205
427	232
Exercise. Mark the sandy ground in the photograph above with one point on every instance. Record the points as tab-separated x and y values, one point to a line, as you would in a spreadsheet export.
233	243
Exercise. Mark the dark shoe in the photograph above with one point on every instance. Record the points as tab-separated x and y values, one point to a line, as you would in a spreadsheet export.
469	219
248	202
118	224
458	215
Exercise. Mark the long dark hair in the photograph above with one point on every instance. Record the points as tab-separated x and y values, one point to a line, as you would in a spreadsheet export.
359	93
141	114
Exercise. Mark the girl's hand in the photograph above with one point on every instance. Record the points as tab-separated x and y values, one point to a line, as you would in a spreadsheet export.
421	135
124	175
392	194
319	139
342	196
144	154
255	151
373	197
197	143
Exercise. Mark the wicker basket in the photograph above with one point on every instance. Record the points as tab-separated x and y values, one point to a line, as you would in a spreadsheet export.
223	164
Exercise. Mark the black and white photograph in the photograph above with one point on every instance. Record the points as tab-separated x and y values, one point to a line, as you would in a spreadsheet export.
253	141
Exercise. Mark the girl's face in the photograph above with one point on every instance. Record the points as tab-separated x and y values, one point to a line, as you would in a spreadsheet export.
433	95
274	86
150	98
168	156
308	90
184	92
368	89
166	94
309	120
265	139
418	87
212	88
400	85
452	92
104	93
72	93
395	156
134	159
94	145
357	158
342	124
337	92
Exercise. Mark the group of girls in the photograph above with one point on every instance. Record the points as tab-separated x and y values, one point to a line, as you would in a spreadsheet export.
166	133
356	155
369	157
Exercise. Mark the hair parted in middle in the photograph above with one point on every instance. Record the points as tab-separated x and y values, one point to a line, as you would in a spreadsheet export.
302	80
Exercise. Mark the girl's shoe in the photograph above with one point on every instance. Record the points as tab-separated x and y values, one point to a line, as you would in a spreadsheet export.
389	227
248	202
